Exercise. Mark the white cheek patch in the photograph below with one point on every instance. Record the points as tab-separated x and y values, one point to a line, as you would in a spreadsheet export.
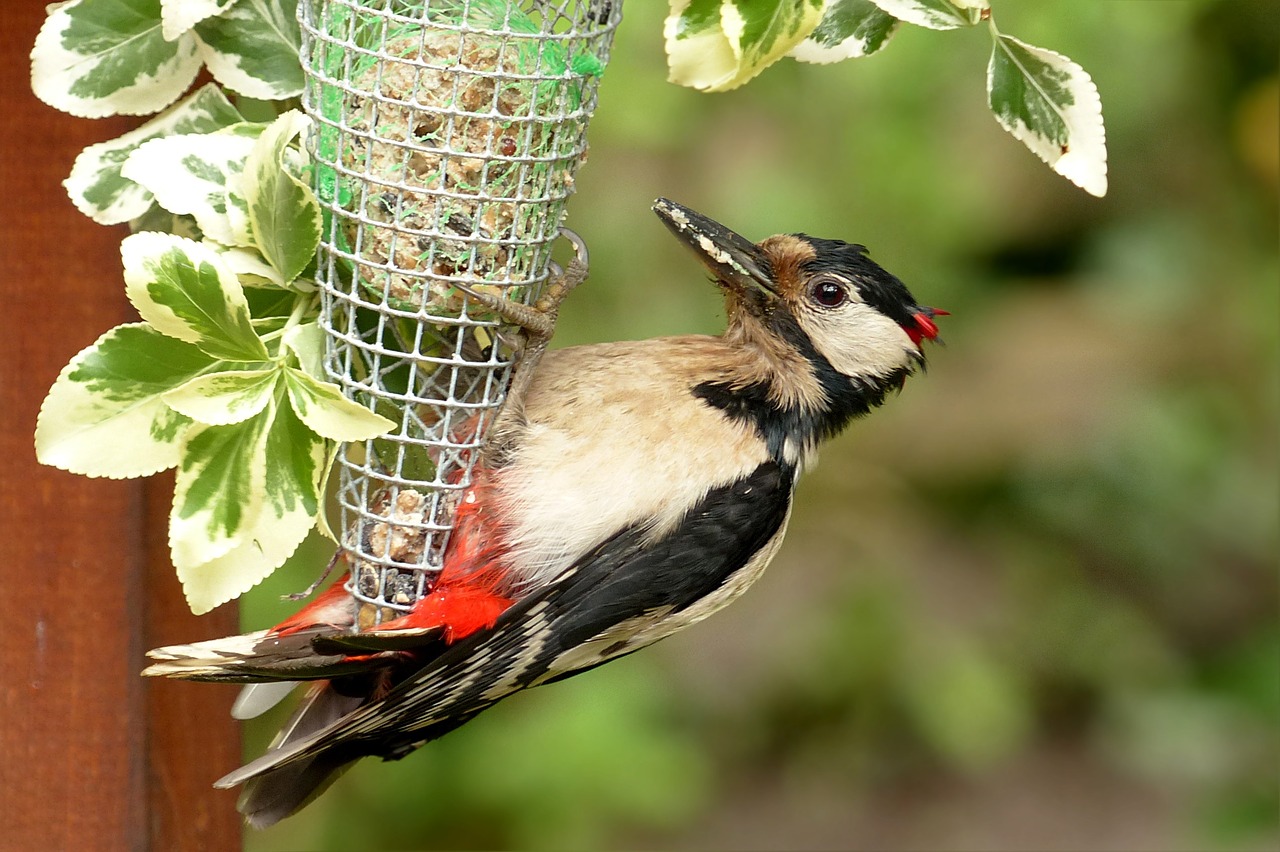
858	340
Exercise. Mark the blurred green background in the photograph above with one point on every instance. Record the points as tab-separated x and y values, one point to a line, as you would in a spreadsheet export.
1031	603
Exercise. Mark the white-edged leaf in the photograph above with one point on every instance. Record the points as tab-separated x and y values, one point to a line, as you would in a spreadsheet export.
105	414
849	29
716	45
218	489
95	58
219	399
179	16
284	214
158	219
184	290
95	185
330	414
245	497
306	341
252	48
249	266
190	173
699	53
1052	106
935	14
238	215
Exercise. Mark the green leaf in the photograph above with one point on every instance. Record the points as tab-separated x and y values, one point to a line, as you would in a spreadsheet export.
218	491
105	415
190	174
184	290
1051	105
699	53
246	496
252	48
179	16
158	219
936	14
284	214
849	29
96	186
330	414
219	399
716	46
250	267
306	342
94	58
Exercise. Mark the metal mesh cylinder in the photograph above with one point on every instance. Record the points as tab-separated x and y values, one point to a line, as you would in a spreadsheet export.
446	138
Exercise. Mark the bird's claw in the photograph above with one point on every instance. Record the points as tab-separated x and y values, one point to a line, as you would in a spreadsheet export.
539	319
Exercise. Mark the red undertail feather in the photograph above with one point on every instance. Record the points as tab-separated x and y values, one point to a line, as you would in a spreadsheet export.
334	608
463	599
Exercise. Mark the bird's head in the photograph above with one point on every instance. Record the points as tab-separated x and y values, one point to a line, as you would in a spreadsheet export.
824	300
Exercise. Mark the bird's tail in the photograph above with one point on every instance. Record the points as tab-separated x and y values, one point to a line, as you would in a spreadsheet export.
258	657
271	794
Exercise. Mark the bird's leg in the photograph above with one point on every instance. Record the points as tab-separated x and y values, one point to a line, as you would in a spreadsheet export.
537	322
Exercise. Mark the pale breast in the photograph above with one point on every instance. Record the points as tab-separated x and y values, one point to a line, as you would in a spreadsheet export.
615	437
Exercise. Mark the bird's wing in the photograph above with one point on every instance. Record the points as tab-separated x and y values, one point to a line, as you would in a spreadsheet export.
626	593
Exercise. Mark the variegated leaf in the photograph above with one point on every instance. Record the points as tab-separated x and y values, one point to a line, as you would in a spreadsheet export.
330	414
231	396
849	29
184	290
252	48
1051	105
699	53
284	214
96	186
218	490
246	496
306	342
105	415
190	174
179	16
94	58
158	219
716	46
249	266
936	14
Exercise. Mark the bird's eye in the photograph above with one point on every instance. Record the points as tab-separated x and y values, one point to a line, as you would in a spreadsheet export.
828	293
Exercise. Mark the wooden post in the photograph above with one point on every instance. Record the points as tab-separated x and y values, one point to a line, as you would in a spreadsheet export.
91	756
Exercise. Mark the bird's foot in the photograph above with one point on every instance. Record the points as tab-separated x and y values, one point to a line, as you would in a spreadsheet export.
538	320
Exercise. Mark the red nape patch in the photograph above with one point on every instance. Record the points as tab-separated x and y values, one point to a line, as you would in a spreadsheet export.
334	608
924	326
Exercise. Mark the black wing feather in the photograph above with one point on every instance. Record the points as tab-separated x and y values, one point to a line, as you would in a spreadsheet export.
627	576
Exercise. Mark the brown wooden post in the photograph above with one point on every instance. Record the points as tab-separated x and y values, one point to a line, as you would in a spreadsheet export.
91	756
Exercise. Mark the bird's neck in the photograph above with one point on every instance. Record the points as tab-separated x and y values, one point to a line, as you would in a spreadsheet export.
782	385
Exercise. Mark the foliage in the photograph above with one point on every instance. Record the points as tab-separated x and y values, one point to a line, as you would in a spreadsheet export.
222	379
198	169
1043	98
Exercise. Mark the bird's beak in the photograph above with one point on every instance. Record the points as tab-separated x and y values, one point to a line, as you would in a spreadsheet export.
736	262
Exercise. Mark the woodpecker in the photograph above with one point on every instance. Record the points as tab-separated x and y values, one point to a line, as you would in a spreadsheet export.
628	490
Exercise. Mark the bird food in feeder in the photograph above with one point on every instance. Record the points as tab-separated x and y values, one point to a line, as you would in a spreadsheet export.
447	135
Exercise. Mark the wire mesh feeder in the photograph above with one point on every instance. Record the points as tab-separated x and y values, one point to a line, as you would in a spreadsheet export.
447	135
